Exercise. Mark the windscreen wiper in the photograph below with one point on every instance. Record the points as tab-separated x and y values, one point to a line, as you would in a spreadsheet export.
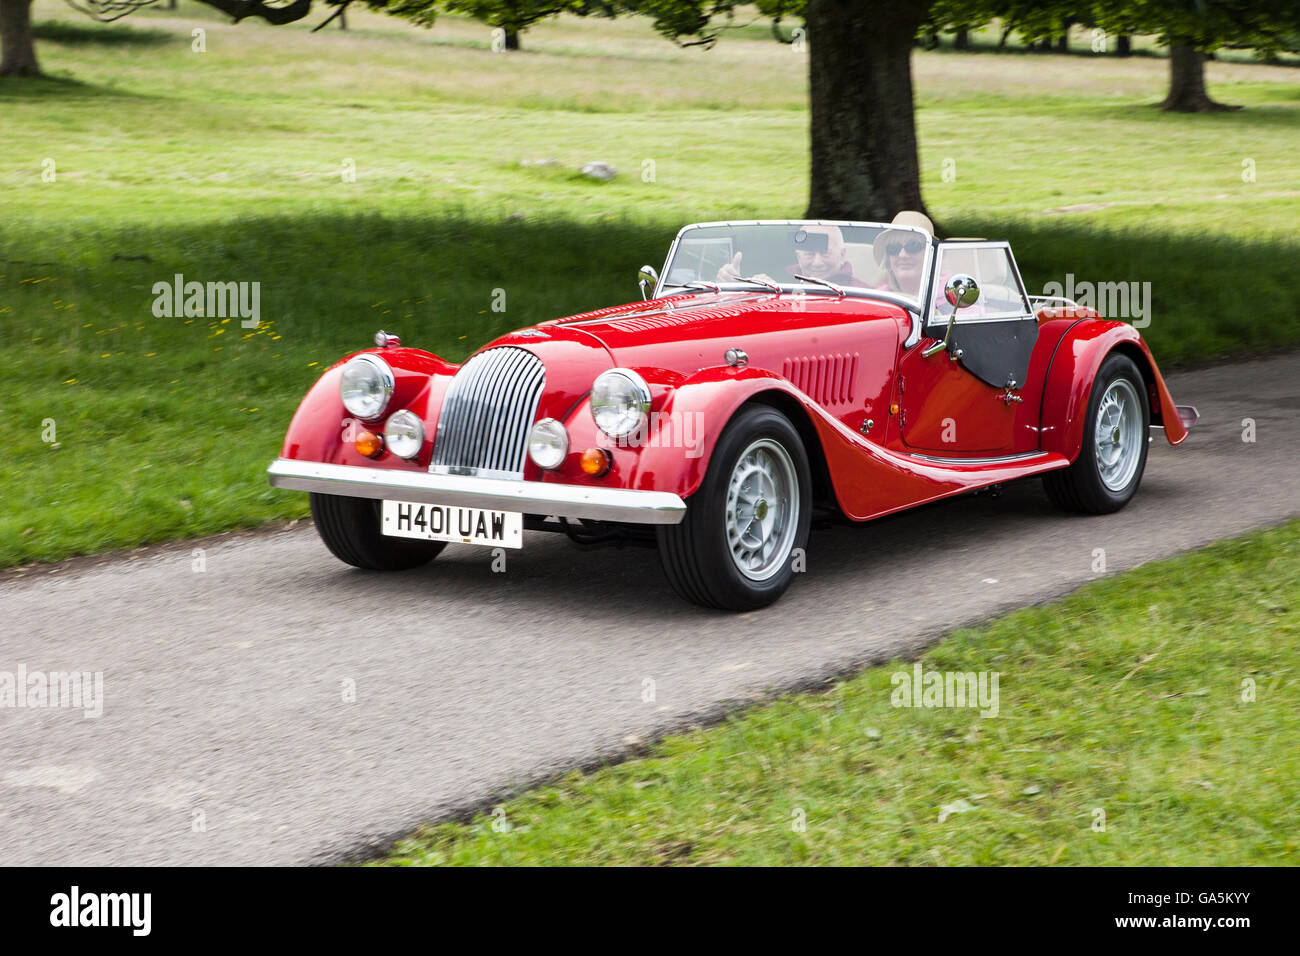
830	285
755	280
694	284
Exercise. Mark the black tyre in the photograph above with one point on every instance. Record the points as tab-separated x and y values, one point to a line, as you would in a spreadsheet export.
748	522
1115	437
350	529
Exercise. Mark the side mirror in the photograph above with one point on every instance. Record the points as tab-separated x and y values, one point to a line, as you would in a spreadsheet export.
960	290
648	281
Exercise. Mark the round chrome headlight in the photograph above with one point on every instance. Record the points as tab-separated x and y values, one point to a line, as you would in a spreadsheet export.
366	385
620	402
548	443
404	434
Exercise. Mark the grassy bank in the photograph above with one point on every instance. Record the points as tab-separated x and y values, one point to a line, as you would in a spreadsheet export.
1123	736
229	165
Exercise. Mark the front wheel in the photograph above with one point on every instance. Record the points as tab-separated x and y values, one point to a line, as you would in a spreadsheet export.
744	528
350	529
1115	437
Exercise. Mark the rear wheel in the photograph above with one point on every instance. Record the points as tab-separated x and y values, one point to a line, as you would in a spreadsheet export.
1115	437
350	529
736	547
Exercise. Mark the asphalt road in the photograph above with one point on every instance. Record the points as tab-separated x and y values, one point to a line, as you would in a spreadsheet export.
226	737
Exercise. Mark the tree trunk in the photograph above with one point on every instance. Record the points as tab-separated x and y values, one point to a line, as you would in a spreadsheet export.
1123	45
512	39
863	149
1187	82
17	46
1063	41
962	40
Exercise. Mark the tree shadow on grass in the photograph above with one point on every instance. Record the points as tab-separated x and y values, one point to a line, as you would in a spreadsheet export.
25	87
13	88
1082	47
449	281
1263	106
62	33
101	34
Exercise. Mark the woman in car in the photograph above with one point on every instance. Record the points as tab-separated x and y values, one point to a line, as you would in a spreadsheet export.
901	252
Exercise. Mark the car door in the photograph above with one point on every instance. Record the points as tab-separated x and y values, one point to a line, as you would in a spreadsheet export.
964	401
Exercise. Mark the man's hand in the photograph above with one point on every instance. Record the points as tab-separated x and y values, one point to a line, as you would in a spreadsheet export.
731	271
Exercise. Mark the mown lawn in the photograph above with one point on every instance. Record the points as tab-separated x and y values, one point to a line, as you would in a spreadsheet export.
1145	720
229	165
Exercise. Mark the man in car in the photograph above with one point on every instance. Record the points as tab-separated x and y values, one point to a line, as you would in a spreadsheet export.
819	253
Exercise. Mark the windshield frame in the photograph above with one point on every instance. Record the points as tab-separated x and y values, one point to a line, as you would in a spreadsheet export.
916	307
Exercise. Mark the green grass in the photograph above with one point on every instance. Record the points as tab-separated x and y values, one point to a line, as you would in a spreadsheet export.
226	166
1126	697
164	426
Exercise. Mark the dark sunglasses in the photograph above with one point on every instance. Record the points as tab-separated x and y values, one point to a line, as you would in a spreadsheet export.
913	246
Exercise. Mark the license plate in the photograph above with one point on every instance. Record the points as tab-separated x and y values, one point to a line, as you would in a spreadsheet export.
411	519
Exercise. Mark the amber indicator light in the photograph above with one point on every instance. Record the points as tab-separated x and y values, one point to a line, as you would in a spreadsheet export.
595	462
369	444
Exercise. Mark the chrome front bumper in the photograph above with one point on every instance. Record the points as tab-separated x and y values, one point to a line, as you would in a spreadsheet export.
498	494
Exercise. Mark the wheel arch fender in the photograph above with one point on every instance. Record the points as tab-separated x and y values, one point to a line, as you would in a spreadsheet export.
318	429
785	402
1073	371
704	404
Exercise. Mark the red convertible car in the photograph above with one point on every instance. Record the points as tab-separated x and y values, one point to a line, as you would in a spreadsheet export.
779	369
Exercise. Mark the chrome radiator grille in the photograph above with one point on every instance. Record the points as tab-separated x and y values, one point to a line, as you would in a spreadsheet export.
490	404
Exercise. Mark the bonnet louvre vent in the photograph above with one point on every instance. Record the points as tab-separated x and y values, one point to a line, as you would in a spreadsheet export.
826	378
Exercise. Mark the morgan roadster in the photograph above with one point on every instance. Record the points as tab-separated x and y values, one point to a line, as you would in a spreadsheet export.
774	370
